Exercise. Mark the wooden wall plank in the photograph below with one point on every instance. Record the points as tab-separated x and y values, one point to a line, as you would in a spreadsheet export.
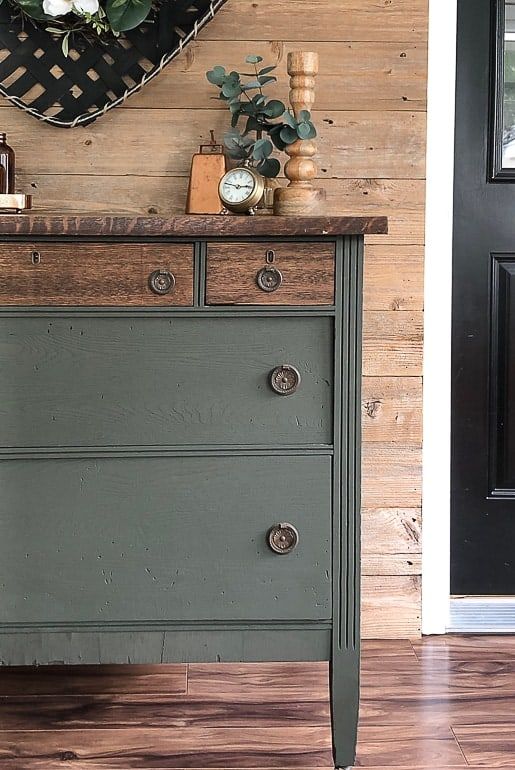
392	409
370	76
391	472
391	531
387	144
392	343
390	606
394	277
336	20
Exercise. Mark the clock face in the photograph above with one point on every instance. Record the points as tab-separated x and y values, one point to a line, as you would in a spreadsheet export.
238	185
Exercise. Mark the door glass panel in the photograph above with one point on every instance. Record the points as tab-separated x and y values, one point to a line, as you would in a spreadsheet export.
508	92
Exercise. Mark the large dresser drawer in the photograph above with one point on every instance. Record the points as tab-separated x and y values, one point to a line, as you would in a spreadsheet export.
163	539
147	381
270	274
96	274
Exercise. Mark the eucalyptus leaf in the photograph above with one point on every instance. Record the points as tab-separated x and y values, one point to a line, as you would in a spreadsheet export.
262	149
269	167
289	119
304	130
129	15
231	88
252	125
252	59
251	84
288	135
305	116
274	108
263	80
216	75
266	70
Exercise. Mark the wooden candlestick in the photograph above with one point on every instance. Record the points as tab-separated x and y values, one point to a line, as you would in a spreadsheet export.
300	197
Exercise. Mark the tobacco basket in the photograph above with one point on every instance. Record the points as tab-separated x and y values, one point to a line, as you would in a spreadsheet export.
75	90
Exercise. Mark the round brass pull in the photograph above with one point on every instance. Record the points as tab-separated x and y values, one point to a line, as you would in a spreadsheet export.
161	281
269	279
284	379
282	538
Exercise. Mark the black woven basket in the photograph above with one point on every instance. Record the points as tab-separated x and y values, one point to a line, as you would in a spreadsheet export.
75	90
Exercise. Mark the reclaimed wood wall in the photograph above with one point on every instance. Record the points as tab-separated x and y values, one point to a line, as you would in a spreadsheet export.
371	113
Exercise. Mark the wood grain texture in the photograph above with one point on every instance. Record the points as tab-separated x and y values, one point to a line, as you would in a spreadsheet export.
392	409
371	75
377	144
417	713
390	606
189	226
307	273
93	274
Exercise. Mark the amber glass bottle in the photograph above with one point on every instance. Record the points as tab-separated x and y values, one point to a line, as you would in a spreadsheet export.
7	166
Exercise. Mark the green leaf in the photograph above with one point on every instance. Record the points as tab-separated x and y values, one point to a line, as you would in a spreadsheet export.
34	9
251	84
234	119
289	119
65	45
264	79
269	167
252	59
262	149
216	75
129	15
305	116
288	135
275	136
258	99
274	108
252	125
231	88
303	130
266	70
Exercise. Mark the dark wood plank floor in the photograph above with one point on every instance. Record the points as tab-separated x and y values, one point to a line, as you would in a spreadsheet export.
441	702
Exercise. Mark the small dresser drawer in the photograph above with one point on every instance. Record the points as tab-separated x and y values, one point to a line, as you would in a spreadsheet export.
270	274
96	274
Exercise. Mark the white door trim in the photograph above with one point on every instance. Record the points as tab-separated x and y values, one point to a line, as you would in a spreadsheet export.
437	317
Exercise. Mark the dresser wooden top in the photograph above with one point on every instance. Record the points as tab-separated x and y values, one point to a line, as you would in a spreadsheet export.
190	226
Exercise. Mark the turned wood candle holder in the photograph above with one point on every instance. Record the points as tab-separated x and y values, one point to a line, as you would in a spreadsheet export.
300	197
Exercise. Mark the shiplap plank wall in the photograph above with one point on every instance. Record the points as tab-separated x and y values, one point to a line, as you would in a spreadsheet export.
371	118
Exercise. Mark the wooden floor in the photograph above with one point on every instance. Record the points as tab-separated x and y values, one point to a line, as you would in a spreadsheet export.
442	702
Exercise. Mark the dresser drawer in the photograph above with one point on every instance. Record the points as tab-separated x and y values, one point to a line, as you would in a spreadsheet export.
270	274
150	381
158	539
96	274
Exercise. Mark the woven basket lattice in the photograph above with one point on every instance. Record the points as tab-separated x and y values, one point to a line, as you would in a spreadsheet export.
76	89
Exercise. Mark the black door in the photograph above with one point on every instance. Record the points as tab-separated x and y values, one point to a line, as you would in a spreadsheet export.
483	394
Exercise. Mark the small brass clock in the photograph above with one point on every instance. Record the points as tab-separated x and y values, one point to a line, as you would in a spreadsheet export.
241	190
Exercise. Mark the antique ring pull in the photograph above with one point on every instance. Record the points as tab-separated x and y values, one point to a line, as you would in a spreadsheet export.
284	379
269	279
282	538
161	281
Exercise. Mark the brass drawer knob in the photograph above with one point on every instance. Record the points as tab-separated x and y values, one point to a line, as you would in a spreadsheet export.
282	538
161	281
269	279
284	379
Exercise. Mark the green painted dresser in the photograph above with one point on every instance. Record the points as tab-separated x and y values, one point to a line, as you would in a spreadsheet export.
180	429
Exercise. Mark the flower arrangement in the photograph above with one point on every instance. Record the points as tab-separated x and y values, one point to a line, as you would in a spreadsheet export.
91	19
247	101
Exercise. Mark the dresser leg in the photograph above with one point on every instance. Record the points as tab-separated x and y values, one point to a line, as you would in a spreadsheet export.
344	705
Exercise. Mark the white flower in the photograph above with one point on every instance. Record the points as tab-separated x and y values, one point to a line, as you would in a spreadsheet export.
86	6
57	7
